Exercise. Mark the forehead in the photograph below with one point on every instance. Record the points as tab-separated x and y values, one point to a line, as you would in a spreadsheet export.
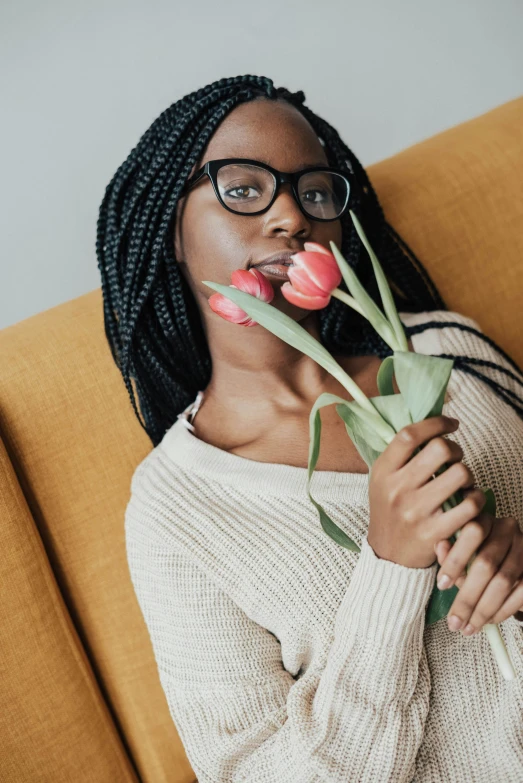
273	132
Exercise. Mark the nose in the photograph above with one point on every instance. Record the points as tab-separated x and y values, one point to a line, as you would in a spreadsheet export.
285	215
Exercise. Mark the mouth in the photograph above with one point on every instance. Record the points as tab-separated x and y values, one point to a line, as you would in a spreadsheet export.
276	269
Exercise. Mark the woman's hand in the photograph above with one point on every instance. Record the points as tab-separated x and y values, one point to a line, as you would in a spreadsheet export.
406	515
492	590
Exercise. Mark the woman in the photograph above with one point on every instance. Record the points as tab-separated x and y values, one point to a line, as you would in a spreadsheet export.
283	656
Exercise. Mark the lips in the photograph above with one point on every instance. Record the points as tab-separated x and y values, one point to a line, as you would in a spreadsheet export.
279	257
275	269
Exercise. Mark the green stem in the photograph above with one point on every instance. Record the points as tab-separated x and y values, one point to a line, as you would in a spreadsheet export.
348	300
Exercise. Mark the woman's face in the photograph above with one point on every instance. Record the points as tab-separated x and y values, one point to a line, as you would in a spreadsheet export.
211	242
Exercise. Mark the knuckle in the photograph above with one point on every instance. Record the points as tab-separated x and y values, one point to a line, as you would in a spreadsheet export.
453	562
410	515
506	579
471	507
475	530
486	563
425	534
457	450
407	434
442	448
461	472
463	607
393	495
480	617
476	500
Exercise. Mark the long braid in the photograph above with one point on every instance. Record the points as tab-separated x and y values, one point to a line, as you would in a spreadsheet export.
151	318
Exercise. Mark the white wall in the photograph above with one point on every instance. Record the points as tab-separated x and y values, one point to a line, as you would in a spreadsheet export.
82	81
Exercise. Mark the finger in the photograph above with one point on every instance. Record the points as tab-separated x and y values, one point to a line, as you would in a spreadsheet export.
447	523
436	453
411	437
471	536
484	567
513	603
433	494
442	549
502	584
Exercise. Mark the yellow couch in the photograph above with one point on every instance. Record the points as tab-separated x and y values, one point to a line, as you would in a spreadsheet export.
80	699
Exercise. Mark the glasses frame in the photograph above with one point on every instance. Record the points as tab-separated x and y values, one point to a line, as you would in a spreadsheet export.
212	167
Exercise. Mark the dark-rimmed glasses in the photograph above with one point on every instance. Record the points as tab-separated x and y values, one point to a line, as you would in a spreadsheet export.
249	187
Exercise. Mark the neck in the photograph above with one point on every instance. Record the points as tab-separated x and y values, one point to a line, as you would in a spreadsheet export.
251	366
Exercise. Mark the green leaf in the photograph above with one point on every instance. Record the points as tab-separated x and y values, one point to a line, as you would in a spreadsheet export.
490	505
329	527
357	421
394	410
439	604
366	452
385	373
422	380
370	309
386	294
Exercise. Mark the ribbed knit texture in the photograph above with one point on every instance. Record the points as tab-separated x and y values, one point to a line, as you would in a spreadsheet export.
286	658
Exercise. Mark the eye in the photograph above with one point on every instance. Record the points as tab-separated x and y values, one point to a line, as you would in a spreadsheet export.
323	196
245	189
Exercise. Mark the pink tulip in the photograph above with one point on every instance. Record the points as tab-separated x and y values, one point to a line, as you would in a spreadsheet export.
313	277
251	281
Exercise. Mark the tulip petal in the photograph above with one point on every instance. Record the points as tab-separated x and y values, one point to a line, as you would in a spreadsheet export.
302	282
266	289
302	300
228	310
253	282
321	268
315	247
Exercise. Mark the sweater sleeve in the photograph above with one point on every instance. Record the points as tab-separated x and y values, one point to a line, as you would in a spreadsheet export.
355	714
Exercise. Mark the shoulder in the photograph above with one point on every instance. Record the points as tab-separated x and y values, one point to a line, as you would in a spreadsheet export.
457	334
157	488
173	511
480	360
449	325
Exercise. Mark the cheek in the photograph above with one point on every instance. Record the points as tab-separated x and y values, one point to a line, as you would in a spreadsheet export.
215	243
328	232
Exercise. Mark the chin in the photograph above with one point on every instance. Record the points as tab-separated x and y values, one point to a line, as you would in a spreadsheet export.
292	310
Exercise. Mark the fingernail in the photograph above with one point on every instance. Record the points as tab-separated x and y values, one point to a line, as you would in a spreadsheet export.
454	622
468	630
444	582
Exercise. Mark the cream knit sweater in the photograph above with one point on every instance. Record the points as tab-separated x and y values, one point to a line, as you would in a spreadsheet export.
286	658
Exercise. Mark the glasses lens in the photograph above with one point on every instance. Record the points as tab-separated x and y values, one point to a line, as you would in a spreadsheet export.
245	187
323	194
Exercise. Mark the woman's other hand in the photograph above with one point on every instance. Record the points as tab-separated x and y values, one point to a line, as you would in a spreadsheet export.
492	590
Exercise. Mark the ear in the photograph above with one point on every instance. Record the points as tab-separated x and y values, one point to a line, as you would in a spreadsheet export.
178	245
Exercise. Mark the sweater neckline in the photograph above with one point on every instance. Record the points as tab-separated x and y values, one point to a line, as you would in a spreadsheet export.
210	463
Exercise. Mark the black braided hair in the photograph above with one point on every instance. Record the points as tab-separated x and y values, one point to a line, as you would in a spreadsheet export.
151	318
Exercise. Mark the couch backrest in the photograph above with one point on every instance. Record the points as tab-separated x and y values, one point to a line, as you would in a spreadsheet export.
457	201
